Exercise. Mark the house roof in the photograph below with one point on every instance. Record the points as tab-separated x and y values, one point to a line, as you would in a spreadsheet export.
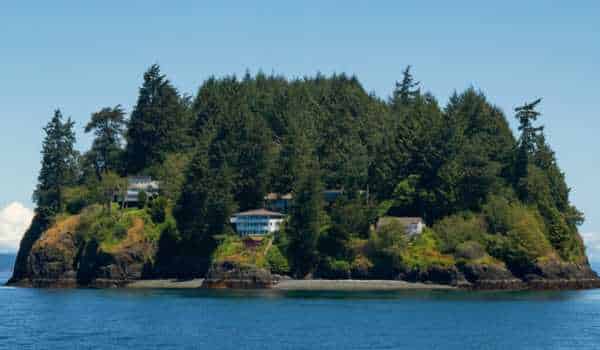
259	212
405	221
275	196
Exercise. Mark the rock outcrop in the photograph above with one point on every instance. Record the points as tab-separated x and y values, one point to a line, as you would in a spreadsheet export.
232	275
62	258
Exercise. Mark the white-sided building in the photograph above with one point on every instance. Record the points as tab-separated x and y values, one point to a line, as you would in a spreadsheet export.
412	225
257	222
137	184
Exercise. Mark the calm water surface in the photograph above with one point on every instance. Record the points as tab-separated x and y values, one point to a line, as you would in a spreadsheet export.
167	319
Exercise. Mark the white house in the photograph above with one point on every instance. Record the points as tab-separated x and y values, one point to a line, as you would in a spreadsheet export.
257	222
412	225
137	184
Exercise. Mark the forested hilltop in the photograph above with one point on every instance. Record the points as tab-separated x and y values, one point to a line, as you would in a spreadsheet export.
496	205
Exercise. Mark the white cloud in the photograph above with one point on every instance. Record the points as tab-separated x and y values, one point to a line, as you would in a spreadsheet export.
14	221
592	245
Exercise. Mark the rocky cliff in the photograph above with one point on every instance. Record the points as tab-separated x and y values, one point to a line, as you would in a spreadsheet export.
62	257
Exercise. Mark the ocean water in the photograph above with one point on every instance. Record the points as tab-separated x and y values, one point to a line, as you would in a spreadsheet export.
193	319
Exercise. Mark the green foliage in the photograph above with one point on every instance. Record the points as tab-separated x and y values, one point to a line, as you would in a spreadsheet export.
158	209
406	90
234	249
169	246
58	166
76	198
159	123
385	247
277	262
305	225
333	268
454	230
424	252
361	267
526	115
485	194
171	175
108	126
142	199
519	237
206	202
470	250
110	228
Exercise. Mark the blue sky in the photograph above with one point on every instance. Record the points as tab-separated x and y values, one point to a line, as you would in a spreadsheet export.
81	56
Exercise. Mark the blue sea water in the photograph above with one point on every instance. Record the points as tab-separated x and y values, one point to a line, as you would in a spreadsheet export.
192	319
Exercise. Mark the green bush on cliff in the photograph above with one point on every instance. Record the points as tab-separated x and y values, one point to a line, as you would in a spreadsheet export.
424	252
109	229
384	249
242	251
456	229
277	262
333	268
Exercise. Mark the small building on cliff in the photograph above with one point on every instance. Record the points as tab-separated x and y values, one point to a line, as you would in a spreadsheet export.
257	222
282	202
137	185
412	225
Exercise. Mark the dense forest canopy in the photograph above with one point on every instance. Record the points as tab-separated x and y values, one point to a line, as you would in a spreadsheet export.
483	192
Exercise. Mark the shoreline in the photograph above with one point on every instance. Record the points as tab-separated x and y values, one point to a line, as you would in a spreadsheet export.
302	285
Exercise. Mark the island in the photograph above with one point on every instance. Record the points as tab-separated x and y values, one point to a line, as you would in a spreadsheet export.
310	183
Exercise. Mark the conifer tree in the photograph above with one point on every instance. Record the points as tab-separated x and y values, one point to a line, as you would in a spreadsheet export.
159	124
58	165
108	126
305	224
204	207
526	115
294	159
406	90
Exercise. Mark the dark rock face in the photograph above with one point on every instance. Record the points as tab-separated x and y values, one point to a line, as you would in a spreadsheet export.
487	276
434	274
101	269
232	275
550	274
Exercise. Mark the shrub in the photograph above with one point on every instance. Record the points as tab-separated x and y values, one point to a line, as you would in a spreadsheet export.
361	267
142	199
424	253
456	229
158	210
470	250
76	198
277	262
333	268
384	249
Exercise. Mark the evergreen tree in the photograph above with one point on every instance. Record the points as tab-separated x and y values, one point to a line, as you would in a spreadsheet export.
406	90
108	126
58	165
160	123
294	160
305	224
204	207
526	115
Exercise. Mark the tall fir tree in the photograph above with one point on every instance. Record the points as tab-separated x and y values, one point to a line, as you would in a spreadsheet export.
204	208
160	123
59	165
294	160
108	126
406	90
526	115
305	224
